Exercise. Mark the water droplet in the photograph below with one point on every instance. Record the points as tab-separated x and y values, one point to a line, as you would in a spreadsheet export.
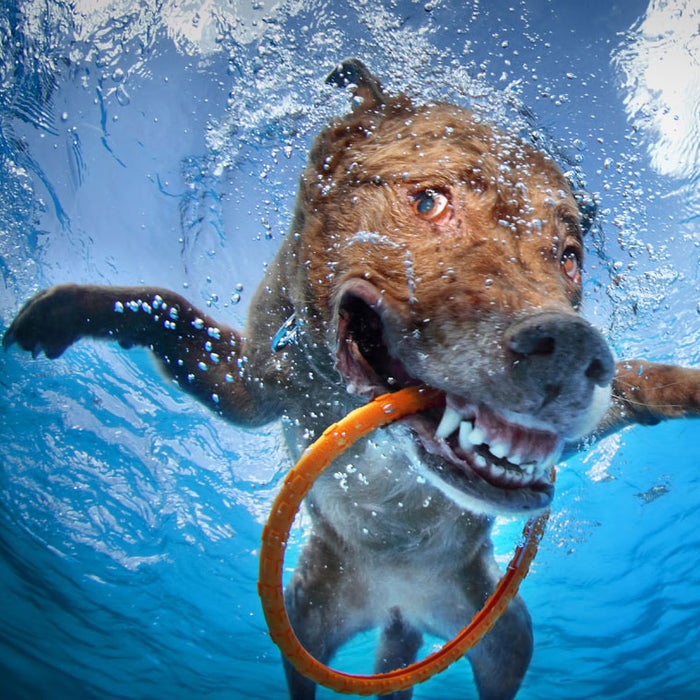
123	96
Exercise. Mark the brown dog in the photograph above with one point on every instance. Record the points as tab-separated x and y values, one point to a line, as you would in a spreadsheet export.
426	248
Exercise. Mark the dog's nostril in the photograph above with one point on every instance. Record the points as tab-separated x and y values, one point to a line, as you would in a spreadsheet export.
544	345
533	343
598	372
551	393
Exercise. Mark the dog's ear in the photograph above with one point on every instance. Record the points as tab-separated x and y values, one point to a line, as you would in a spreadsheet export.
366	88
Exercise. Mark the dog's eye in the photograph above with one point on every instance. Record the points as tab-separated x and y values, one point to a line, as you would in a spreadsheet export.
430	205
571	265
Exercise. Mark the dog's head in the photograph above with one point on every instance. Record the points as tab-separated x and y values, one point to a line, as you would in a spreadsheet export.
439	250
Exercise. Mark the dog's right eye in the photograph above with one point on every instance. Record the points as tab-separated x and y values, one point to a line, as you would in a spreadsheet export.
430	205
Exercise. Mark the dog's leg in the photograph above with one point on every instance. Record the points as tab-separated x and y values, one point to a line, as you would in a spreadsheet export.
324	604
502	657
398	646
500	660
204	357
647	393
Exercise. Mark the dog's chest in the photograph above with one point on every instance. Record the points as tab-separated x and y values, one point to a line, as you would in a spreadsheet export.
378	504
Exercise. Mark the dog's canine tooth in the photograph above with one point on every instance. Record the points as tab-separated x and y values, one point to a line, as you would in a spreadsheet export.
451	420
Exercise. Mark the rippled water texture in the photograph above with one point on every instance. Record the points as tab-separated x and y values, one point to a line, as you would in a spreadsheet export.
160	143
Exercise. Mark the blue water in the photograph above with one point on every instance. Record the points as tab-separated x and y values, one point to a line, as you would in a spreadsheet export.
161	144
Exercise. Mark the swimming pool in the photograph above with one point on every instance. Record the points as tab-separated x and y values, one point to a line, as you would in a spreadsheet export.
161	144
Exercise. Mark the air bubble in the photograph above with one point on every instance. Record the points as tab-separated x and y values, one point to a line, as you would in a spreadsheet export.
123	96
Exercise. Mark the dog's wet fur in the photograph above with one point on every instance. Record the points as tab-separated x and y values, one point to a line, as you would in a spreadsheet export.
427	247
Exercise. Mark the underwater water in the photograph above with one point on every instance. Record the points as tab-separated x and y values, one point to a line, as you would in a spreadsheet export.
160	143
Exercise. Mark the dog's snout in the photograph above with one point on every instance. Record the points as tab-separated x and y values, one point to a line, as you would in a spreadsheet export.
557	354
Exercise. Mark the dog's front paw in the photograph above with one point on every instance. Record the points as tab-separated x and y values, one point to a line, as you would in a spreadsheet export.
49	322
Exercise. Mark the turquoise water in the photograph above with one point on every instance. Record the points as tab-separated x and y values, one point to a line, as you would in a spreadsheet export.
161	145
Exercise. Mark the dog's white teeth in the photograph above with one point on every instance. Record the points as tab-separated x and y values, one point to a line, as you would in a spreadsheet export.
465	431
477	436
499	450
480	461
498	471
494	456
451	420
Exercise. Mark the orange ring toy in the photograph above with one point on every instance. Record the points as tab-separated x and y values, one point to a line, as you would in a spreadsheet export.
335	440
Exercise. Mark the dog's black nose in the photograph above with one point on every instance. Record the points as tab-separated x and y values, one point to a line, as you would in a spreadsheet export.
555	354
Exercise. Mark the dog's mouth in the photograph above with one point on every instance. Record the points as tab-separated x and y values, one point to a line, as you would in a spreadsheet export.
482	459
